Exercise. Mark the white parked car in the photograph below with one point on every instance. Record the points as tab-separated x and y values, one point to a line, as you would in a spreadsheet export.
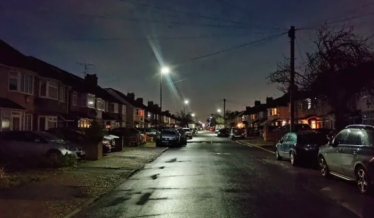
29	143
188	132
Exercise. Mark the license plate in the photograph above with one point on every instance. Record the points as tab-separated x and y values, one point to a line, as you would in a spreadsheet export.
166	142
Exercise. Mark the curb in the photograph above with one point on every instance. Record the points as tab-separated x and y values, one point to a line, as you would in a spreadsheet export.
256	146
115	185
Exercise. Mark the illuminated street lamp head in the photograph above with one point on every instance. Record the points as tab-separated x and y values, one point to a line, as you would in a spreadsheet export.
165	70
219	110
193	114
186	101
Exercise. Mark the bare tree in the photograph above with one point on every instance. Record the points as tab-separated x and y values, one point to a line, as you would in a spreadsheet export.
338	70
185	118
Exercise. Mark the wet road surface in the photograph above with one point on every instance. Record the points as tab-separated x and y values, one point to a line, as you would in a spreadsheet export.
217	177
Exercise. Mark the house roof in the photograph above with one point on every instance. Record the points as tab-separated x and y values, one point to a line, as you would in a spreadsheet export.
10	56
7	103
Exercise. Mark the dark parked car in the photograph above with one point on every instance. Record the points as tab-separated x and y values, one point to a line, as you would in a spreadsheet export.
131	136
225	132
300	146
183	137
236	133
168	137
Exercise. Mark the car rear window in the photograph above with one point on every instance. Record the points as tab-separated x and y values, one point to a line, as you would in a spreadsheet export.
312	138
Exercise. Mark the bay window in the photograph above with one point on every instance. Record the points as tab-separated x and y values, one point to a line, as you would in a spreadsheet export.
100	104
123	109
113	108
74	99
48	89
90	101
61	94
21	82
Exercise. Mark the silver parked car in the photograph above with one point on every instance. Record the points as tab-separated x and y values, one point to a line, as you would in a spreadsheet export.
188	132
350	156
29	143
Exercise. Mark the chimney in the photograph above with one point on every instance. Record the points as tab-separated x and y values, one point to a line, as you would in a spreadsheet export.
167	112
131	96
257	103
248	108
139	100
269	100
150	103
91	80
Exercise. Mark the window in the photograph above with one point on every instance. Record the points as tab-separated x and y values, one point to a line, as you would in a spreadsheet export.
90	101
61	94
47	122
309	102
48	89
353	137
313	124
52	90
123	109
52	122
100	104
341	137
113	108
16	121
75	99
27	119
21	82
273	111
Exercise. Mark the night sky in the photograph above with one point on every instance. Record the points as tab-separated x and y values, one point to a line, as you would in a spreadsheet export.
128	42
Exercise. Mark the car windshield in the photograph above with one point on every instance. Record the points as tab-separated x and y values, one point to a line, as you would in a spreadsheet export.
312	138
49	137
168	131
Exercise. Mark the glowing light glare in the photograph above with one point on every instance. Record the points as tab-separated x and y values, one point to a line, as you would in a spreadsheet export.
219	110
165	70
186	101
90	102
193	114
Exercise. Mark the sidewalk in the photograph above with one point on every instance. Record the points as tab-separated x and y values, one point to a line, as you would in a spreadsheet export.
259	142
69	189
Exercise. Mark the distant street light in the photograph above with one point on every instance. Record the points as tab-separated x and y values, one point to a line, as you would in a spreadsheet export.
193	114
219	110
186	101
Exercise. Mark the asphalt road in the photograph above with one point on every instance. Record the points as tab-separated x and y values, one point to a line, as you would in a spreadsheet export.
217	177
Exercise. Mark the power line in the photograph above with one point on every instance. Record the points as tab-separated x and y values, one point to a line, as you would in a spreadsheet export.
234	48
132	19
156	38
196	15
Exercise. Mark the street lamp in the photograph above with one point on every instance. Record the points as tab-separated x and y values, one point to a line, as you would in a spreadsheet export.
164	71
219	110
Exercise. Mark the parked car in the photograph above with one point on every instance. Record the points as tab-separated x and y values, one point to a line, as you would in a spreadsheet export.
168	137
350	156
130	135
188	132
75	135
300	146
30	143
225	132
236	133
183	137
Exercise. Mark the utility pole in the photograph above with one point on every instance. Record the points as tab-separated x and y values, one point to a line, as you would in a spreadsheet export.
291	34
86	67
224	111
159	119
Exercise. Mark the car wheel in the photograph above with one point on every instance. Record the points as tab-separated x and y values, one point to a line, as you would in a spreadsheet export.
323	167
363	180
277	155
293	159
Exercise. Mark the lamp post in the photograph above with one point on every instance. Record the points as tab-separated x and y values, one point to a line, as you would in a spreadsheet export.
164	71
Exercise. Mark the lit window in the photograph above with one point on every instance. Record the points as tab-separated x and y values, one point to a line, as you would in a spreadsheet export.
313	124
309	101
273	111
90	101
